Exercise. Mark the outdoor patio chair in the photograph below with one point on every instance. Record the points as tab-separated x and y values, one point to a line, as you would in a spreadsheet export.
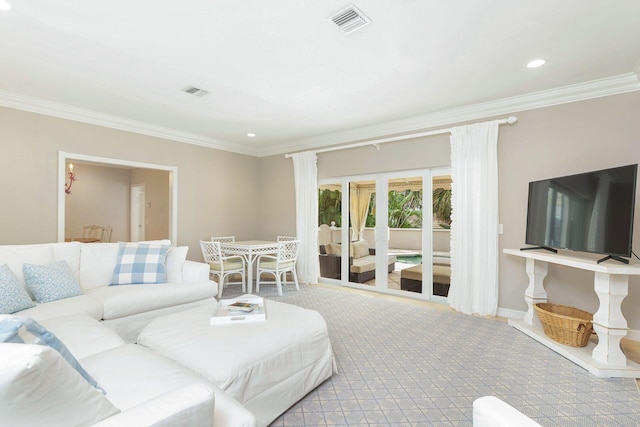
279	265
223	266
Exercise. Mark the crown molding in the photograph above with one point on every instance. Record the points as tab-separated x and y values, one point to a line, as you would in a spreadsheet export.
577	92
63	111
615	85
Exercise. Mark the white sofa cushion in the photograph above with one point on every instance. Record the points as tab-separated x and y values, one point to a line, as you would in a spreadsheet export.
126	300
132	374
69	252
176	257
16	255
82	304
13	296
83	335
188	406
360	249
97	261
24	330
38	386
489	411
51	282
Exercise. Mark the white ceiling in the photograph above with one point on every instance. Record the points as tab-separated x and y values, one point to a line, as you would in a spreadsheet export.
282	70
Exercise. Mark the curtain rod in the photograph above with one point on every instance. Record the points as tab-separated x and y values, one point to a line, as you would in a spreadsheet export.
509	120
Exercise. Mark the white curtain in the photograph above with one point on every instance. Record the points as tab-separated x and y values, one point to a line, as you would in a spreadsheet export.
474	219
359	198
305	171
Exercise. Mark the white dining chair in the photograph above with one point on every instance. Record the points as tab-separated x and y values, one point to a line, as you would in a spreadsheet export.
223	266
285	238
279	265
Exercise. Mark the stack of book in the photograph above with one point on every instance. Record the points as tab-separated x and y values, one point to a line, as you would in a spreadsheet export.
244	309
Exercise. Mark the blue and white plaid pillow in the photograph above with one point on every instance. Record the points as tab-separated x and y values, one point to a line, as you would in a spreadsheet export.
140	263
13	296
24	330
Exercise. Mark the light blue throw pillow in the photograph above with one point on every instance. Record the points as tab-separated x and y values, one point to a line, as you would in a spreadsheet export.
51	282
24	330
140	263
13	296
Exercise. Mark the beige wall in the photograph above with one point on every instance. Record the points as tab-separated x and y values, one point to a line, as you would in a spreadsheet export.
556	141
222	193
217	191
547	142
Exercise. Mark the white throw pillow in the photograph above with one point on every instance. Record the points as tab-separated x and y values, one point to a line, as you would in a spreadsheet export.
175	261
39	387
97	261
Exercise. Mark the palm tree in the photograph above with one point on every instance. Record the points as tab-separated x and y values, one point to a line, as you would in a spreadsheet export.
329	207
442	206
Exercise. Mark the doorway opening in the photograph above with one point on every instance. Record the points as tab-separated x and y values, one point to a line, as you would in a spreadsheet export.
64	158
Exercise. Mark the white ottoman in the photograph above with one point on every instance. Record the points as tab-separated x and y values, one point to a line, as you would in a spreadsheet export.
266	366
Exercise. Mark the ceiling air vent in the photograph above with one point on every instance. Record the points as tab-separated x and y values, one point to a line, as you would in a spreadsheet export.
350	19
195	91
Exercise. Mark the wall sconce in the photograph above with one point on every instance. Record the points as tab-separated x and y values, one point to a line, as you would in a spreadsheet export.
72	177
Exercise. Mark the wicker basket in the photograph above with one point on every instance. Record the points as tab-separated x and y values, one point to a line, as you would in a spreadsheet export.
566	325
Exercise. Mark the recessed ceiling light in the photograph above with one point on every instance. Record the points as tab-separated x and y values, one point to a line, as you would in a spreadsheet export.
4	5
536	63
251	135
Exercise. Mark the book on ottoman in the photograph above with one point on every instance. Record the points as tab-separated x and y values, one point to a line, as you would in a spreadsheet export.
244	309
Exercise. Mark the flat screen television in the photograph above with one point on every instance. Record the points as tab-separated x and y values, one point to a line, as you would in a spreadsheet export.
587	212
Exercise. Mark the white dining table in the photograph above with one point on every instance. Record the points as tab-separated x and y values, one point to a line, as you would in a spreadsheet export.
250	250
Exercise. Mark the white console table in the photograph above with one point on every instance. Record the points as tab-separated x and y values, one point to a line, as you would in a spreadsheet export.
611	283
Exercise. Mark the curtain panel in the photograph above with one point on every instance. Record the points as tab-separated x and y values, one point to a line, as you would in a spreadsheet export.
305	170
474	225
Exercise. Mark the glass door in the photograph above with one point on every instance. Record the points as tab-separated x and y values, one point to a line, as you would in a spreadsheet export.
362	232
387	232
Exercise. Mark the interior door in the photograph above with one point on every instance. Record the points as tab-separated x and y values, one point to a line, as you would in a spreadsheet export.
138	213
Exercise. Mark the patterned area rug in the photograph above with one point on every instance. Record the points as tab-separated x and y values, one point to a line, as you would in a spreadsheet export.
407	364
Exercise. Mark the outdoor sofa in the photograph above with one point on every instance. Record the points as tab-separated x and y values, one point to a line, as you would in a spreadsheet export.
362	261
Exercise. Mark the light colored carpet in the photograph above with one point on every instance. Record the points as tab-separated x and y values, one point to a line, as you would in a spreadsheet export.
408	364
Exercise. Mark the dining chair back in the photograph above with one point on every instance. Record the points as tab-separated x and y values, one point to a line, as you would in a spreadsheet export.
285	238
93	231
225	239
106	234
279	265
223	266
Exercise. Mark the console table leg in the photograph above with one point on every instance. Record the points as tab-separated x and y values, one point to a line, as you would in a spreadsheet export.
535	293
609	322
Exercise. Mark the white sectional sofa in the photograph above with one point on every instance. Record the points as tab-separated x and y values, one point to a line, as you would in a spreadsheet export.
97	330
489	411
127	309
142	388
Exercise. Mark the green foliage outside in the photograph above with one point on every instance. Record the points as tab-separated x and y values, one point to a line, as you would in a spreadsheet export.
329	207
405	208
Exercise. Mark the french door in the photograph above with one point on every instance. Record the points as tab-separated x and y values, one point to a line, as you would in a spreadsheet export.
378	232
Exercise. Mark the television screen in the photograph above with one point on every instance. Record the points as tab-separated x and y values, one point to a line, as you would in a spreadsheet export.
587	212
